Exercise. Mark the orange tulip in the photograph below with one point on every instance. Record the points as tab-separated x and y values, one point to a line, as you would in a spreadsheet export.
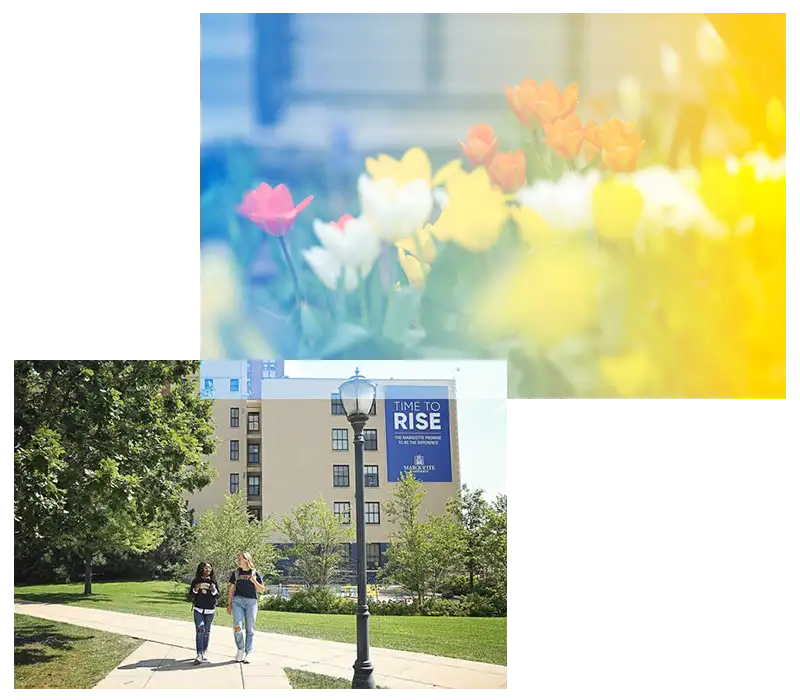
481	145
621	145
591	140
522	99
565	136
550	104
507	170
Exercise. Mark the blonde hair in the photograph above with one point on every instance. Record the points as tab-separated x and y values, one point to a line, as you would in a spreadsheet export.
248	557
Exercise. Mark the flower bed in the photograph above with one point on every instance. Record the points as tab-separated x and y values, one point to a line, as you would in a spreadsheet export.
556	245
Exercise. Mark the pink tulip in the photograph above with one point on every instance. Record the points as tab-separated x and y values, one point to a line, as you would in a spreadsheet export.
272	210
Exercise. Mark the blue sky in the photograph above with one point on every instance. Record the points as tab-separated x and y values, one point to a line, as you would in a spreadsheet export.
481	394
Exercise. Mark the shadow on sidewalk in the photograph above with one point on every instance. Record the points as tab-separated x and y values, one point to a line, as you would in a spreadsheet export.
167	664
59	598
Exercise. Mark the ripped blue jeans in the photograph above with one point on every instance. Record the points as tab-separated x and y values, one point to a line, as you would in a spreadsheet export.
202	624
244	611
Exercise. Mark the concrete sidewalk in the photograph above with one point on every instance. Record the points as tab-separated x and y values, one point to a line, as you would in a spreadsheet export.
165	660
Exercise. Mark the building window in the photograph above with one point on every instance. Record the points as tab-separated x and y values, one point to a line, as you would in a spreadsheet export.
208	385
253	485
254	422
337	407
372	513
253	453
371	475
234	483
339	438
254	513
341	475
234	418
373	555
370	439
234	450
235	386
342	510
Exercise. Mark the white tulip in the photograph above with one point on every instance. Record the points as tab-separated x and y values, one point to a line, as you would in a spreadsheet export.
670	201
710	48
395	212
670	64
566	204
351	250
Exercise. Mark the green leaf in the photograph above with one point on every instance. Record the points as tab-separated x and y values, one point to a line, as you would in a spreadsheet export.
345	336
402	308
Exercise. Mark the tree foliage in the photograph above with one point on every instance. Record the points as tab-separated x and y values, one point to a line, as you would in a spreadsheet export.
317	538
105	452
421	556
224	531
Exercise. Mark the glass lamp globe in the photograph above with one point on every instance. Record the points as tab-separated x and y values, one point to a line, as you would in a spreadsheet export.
357	395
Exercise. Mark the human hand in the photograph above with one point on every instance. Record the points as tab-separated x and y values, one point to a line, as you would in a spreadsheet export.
228	609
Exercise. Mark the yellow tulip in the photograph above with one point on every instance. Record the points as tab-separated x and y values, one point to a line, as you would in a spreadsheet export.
532	227
475	213
617	208
630	375
549	297
414	165
414	269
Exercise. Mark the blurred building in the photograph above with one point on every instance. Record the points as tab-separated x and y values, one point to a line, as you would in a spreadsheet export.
290	442
389	81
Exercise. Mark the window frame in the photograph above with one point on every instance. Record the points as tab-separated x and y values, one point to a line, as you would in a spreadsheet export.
234	443
340	476
337	407
342	512
257	447
250	416
257	478
368	512
367	442
338	440
377	560
376	474
234	417
230	385
231	482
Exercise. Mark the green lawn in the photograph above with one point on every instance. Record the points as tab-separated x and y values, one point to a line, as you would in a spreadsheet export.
55	655
305	679
474	638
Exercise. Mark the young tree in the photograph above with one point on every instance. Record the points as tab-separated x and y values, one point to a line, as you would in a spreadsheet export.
421	556
471	511
224	531
495	544
105	451
317	540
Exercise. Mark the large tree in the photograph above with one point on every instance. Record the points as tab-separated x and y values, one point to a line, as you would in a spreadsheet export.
224	531
421	555
471	511
105	452
318	542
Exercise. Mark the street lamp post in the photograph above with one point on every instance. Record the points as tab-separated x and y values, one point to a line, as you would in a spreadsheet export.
358	396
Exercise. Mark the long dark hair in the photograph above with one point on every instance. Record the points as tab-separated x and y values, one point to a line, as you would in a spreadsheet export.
199	572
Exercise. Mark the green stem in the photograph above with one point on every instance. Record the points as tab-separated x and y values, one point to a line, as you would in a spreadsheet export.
298	295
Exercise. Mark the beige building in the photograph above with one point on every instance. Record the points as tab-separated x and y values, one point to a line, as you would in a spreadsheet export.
294	444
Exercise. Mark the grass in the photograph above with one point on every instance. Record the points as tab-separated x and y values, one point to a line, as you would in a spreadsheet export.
473	638
305	679
56	655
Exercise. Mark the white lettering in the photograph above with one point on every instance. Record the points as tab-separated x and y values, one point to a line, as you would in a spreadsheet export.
436	421
400	421
417	421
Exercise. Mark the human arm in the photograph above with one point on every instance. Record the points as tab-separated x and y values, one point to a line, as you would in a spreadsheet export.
257	582
231	589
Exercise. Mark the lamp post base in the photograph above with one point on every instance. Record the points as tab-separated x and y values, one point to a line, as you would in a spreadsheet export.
363	678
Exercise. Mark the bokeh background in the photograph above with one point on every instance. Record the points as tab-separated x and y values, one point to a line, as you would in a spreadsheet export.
304	99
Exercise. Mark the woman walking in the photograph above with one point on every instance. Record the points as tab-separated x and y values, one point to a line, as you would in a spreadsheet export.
243	591
205	594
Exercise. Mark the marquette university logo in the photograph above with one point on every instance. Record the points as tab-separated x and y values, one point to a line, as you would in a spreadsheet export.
419	465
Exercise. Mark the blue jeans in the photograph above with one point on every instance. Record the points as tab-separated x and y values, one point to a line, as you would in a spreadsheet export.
244	611
202	623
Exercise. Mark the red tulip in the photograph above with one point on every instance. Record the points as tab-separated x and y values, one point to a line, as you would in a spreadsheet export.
272	210
481	145
343	219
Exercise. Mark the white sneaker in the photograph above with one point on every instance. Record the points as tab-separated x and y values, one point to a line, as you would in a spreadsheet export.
198	658
246	658
239	655
205	658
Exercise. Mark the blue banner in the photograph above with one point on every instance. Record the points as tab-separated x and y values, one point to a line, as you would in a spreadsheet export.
418	432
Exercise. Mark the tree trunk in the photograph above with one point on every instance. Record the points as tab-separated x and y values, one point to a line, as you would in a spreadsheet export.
472	577
87	579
